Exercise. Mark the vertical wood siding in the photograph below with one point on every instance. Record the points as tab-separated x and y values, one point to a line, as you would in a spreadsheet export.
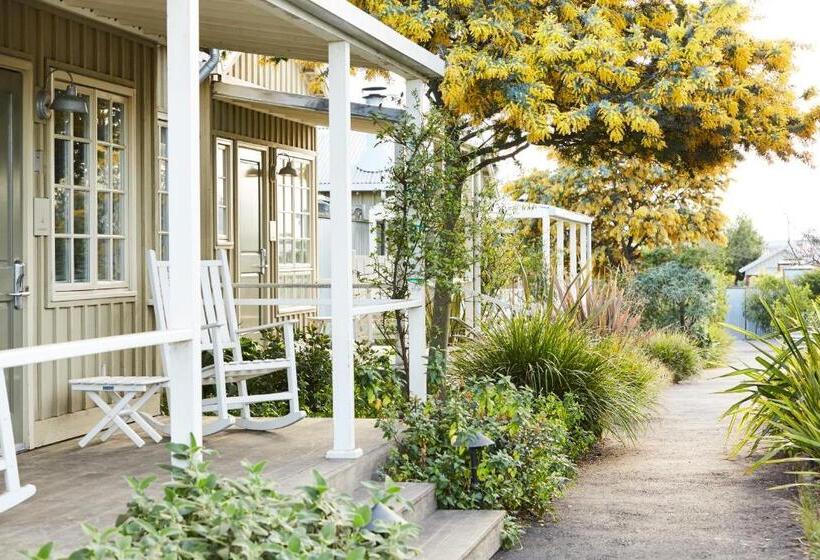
47	36
284	76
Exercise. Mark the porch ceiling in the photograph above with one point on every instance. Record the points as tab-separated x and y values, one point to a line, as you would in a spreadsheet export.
297	29
306	109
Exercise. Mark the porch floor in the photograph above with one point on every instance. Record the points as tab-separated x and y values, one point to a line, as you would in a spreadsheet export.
77	485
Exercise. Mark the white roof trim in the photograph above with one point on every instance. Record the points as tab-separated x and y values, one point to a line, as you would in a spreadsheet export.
518	210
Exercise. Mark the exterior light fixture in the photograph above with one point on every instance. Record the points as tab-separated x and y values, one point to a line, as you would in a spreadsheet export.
66	101
475	442
382	517
287	170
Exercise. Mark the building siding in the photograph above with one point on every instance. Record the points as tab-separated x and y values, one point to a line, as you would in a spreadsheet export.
285	75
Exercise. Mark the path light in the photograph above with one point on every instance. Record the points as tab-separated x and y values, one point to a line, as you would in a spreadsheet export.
474	444
65	101
382	517
287	170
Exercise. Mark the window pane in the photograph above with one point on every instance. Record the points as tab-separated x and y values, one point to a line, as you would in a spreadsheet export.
62	123
163	175
117	161
163	247
103	259
117	123
163	141
80	212
61	210
103	120
81	122
117	214
103	213
61	259
81	260
221	218
102	167
81	163
118	272
61	161
163	212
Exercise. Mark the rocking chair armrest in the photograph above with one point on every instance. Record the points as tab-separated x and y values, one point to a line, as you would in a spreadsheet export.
258	328
211	326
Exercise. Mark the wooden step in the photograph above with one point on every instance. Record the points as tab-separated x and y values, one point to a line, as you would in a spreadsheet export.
450	534
419	498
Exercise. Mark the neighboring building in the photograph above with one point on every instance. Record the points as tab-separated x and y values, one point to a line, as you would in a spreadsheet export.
93	191
780	260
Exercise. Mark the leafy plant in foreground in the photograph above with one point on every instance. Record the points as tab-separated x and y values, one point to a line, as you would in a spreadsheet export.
201	515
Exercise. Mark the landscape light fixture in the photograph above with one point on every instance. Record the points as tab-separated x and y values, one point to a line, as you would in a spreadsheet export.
475	442
65	101
287	170
382	517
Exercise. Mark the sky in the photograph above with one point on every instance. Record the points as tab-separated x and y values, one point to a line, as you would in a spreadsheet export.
782	198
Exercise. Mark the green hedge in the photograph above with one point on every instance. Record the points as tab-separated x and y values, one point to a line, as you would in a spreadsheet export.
675	351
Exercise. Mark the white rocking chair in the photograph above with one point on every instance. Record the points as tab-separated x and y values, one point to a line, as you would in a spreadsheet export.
220	332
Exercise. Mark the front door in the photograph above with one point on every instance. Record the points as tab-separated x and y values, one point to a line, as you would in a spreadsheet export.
12	267
252	252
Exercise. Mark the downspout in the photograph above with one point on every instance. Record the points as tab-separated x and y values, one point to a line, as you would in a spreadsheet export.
209	65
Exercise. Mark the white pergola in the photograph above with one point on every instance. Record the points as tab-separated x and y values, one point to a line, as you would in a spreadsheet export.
322	30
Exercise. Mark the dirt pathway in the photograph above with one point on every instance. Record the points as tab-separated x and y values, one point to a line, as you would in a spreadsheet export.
674	495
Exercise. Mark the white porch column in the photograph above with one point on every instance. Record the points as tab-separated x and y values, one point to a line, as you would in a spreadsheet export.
184	360
546	248
584	257
341	266
590	261
416	93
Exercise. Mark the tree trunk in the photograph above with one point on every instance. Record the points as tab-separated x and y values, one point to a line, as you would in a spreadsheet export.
440	324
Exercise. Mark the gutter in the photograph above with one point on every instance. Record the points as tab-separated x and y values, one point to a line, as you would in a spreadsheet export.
209	65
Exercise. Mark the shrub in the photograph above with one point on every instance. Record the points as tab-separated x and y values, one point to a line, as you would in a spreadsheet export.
536	438
378	384
675	296
773	292
675	351
780	406
811	280
602	306
713	352
549	353
809	515
203	515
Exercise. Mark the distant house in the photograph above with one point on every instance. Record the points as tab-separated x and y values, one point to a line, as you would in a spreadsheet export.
780	260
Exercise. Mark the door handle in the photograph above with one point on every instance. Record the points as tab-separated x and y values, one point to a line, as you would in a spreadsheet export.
263	261
19	279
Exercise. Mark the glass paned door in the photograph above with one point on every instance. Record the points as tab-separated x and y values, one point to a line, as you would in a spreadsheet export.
12	268
252	251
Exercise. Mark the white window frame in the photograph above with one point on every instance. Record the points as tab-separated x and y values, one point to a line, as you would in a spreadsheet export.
162	123
224	239
95	289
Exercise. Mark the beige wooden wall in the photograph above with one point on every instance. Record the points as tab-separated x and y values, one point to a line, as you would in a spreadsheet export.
285	75
45	36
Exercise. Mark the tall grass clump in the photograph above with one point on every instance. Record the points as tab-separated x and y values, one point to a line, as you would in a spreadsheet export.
779	411
550	353
676	351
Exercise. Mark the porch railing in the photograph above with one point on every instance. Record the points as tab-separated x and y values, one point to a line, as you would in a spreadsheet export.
414	307
13	492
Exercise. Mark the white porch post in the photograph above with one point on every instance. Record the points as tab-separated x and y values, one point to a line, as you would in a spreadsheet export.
341	266
415	92
185	388
583	246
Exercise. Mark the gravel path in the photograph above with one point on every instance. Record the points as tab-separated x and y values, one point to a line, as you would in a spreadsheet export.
673	495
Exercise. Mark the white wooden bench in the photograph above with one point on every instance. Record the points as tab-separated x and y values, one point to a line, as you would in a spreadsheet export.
126	389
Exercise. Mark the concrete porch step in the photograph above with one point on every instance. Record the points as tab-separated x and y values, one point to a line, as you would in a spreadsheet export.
461	534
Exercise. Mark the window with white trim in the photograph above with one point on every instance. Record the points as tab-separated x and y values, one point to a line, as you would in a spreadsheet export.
294	221
90	193
162	192
223	188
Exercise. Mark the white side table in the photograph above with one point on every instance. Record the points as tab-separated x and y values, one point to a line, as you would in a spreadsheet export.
126	389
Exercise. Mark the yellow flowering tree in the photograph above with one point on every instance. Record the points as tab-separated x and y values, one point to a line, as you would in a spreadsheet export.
676	82
638	204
